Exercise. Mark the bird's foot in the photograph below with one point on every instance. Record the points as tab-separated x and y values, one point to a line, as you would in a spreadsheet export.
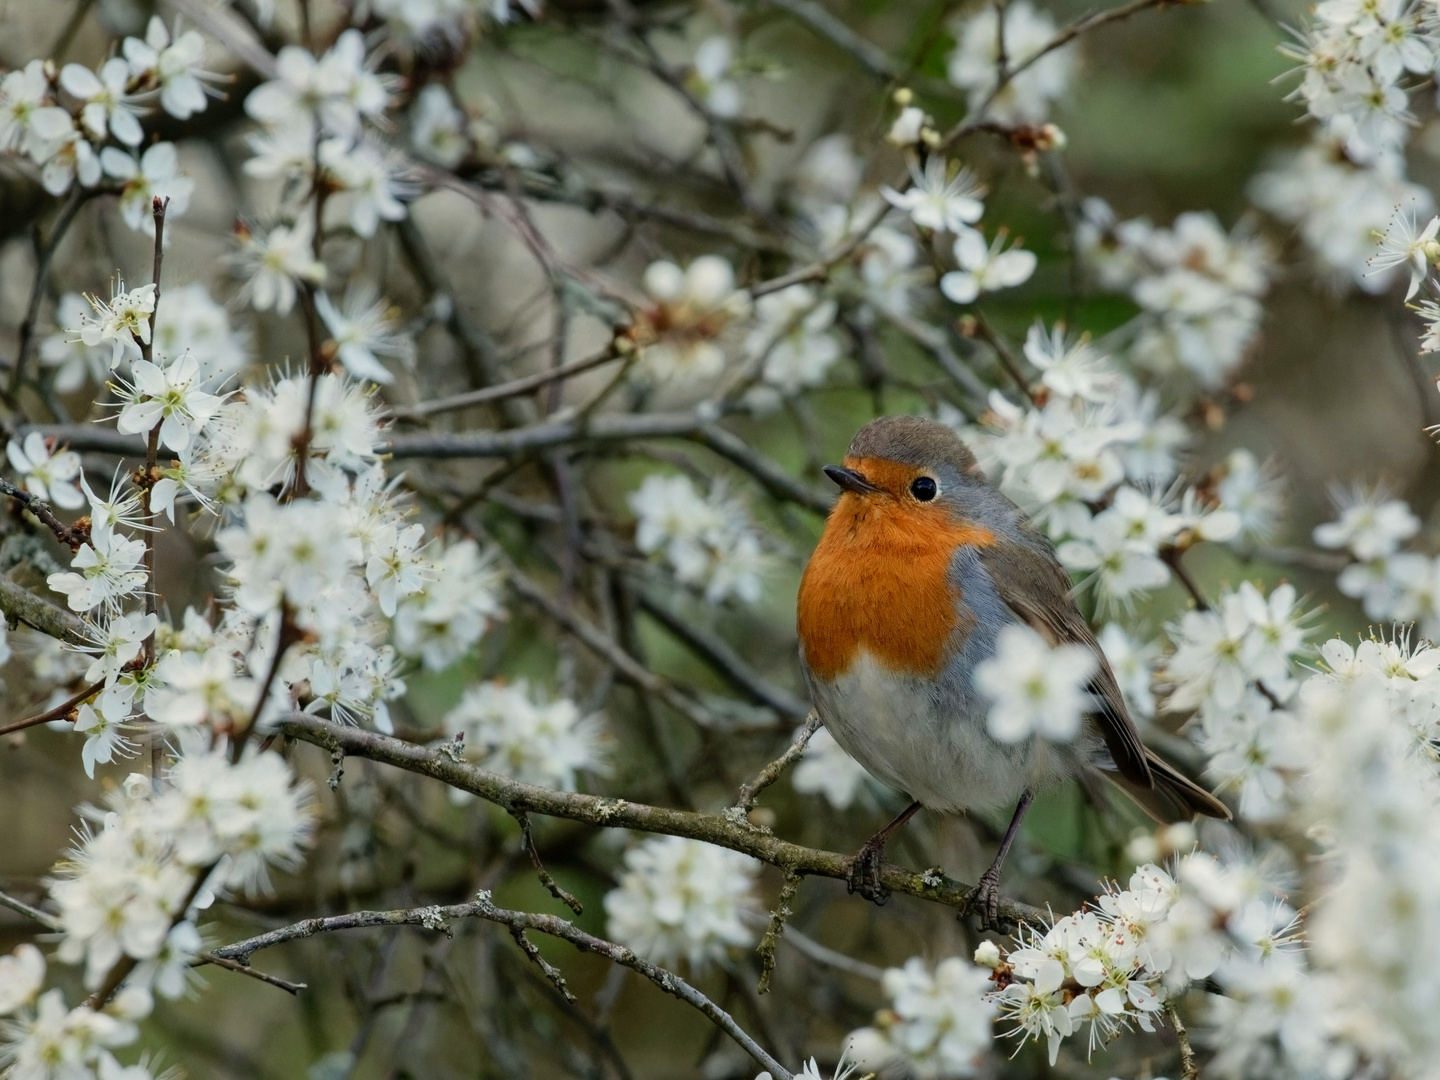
984	901
864	876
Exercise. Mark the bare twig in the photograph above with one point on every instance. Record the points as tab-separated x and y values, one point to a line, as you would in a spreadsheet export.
772	772
63	221
438	918
1189	1067
528	841
600	643
870	56
766	949
50	922
41	509
245	969
57	713
1174	557
513	388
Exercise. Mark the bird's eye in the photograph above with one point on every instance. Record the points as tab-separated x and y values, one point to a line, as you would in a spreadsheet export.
924	488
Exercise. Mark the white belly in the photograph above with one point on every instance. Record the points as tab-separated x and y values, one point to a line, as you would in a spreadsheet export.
929	744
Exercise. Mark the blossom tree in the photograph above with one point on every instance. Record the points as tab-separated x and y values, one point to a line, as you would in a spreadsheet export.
414	413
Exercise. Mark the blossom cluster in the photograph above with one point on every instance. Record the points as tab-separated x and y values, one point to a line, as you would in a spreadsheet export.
707	541
1116	964
504	728
681	899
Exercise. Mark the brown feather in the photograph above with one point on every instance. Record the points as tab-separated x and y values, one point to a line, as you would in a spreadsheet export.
1170	797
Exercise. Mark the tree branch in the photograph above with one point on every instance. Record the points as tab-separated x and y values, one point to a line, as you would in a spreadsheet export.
437	918
728	830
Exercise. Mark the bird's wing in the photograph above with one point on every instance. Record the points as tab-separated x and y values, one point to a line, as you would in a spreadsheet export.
1032	583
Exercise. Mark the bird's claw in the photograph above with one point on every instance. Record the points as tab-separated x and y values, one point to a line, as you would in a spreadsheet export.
984	901
864	876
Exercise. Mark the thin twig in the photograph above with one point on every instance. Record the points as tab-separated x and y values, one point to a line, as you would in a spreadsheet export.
528	841
56	713
870	56
513	388
1173	557
41	509
245	969
63	221
772	772
1189	1067
766	949
50	922
438	918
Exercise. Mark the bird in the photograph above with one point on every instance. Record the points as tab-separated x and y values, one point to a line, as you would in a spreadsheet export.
921	564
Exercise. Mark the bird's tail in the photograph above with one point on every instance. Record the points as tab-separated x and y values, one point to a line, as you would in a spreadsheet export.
1172	797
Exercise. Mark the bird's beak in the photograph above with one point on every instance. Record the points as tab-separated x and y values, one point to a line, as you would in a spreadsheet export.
850	480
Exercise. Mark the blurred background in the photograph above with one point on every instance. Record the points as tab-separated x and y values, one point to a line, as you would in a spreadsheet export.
1174	110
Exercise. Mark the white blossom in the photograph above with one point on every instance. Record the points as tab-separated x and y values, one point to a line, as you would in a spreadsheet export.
681	899
1035	689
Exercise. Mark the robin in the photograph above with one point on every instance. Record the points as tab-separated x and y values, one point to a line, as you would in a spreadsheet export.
921	565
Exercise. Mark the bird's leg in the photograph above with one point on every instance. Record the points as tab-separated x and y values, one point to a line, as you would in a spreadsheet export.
984	899
865	866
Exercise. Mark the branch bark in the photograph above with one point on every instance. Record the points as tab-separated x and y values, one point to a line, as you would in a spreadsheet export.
728	830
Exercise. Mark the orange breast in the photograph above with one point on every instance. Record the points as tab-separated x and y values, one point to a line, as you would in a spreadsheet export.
880	580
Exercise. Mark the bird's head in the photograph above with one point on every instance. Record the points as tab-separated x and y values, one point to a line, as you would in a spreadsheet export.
909	465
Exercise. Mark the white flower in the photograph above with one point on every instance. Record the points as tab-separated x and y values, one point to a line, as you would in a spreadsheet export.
67	157
1250	748
190	688
394	569
1370	525
61	1043
74	361
372	177
938	1024
117	643
708	541
681	899
28	116
1070	369
442	621
437	127
47	476
985	269
22	974
338	90
713	61
936	200
1406	244
1120	547
172	64
121	322
273	263
109	570
1035	689
826	769
692	308
170	397
905	131
508	729
101	723
154	175
1132	664
364	330
1253	492
107	108
794	338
